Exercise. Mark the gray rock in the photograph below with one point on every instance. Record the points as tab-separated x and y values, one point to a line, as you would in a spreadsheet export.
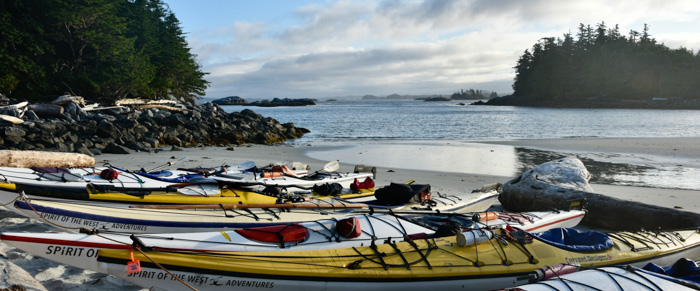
14	131
113	148
231	100
106	129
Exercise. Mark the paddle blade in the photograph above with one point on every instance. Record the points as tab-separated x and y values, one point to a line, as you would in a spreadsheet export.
242	167
331	166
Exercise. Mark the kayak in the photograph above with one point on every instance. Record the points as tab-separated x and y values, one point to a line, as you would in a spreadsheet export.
79	250
205	192
70	183
445	263
292	183
110	216
625	277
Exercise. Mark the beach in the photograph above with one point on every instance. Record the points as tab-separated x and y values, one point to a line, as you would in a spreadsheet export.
448	166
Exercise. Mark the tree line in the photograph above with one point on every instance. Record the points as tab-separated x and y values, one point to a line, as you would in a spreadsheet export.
472	94
601	63
98	49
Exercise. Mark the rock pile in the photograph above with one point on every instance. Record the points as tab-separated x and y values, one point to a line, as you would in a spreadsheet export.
123	129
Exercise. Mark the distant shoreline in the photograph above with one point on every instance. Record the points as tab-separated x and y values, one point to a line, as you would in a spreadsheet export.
596	103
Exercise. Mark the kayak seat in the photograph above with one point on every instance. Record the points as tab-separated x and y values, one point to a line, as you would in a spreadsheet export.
56	174
161	173
683	269
286	233
575	240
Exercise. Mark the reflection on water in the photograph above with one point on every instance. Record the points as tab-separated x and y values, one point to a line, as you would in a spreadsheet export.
457	158
509	161
634	172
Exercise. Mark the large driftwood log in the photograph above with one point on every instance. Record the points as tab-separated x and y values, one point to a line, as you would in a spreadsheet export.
47	110
28	159
545	187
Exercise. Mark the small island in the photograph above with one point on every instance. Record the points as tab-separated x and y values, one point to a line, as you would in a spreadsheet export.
601	68
235	100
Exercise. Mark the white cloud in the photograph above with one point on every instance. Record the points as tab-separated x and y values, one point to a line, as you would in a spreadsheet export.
412	47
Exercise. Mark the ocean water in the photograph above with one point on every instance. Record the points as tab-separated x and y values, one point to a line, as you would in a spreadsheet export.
443	136
419	120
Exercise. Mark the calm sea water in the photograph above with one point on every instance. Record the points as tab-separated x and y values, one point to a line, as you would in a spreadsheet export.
419	120
433	125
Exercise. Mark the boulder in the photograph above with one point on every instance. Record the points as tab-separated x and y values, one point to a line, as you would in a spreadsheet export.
554	185
113	148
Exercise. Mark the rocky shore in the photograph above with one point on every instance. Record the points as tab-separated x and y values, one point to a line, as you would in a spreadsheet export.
137	127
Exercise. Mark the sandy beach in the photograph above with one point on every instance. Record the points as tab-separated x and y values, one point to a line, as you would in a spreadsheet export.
449	167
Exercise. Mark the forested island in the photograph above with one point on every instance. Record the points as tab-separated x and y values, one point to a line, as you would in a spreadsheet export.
601	68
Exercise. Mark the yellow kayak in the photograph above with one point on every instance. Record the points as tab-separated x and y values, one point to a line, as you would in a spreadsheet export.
211	194
224	196
444	263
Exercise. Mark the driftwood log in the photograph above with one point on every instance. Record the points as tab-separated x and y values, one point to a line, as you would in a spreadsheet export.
544	187
47	110
28	159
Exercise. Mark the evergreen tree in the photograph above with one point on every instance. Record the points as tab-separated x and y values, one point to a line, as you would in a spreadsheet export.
603	64
99	49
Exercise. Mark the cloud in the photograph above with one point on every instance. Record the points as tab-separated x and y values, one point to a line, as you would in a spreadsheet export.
410	47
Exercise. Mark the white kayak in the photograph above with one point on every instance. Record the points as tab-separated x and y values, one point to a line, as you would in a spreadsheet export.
281	176
623	278
70	182
109	216
80	250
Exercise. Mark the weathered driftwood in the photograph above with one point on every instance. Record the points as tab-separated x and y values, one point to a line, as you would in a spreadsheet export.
65	99
533	192
158	106
137	101
27	159
11	119
47	110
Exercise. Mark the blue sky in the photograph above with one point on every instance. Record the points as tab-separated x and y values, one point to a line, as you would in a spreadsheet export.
316	49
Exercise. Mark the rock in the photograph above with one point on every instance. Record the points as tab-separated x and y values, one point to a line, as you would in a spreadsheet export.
91	131
284	102
14	131
555	184
113	148
231	100
106	129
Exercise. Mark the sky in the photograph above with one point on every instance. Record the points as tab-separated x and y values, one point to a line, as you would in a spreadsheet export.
323	48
